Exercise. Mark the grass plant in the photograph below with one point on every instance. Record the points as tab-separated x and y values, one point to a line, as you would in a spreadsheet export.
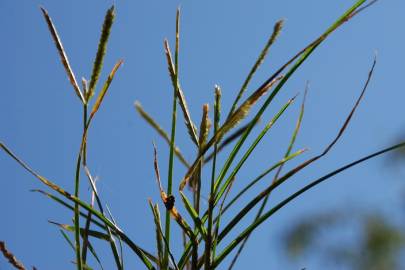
206	237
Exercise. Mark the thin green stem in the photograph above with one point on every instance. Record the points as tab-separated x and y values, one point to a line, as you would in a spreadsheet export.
172	140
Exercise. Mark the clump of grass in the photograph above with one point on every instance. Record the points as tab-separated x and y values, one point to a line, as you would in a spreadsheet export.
203	229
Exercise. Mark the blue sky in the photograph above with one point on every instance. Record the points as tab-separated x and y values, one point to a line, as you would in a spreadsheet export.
40	115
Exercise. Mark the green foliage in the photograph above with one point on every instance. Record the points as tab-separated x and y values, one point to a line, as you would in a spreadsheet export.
202	228
376	244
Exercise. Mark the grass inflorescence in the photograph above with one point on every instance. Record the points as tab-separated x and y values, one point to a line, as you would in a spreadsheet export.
207	238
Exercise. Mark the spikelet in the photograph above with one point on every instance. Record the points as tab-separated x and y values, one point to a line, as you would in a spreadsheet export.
244	109
205	126
62	54
101	50
276	31
192	130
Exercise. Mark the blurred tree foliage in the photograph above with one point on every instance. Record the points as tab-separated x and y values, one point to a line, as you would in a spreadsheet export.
352	240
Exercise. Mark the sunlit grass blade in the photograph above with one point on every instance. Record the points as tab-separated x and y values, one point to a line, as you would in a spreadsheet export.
105	88
138	251
119	259
113	246
66	237
101	50
261	176
286	155
159	239
90	247
211	198
84	232
86	228
276	31
219	190
227	140
92	233
96	257
149	119
169	201
272	211
58	200
292	172
62	54
10	257
193	214
218	222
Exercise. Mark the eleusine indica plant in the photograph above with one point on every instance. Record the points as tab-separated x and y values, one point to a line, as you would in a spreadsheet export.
202	227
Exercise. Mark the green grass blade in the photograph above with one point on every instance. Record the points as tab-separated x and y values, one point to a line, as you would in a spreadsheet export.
264	217
92	233
86	228
193	214
276	31
93	252
138	251
66	237
211	198
263	205
63	56
261	176
56	199
118	257
227	140
113	246
159	239
246	155
268	190
101	50
222	210
301	56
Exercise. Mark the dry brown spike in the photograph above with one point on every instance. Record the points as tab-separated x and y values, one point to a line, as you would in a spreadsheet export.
10	257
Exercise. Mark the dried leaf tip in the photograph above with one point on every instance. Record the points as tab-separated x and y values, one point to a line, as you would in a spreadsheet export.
101	50
168	201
